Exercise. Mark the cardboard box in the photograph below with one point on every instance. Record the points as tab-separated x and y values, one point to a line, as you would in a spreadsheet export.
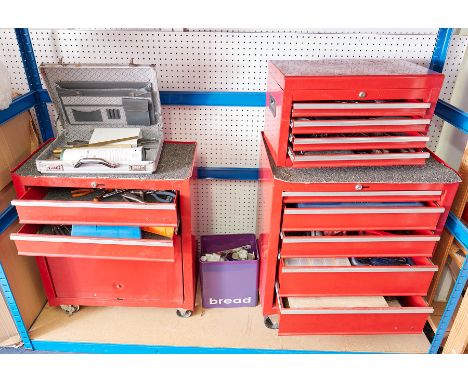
8	334
7	194
24	280
17	140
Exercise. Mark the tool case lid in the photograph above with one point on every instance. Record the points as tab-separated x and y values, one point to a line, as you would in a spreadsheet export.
87	96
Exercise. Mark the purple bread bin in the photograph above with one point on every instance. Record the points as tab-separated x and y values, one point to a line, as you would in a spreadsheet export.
229	284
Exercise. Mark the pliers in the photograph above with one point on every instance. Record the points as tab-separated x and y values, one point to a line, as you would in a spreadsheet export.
162	196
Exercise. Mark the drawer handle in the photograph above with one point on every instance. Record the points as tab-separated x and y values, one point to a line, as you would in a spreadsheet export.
339	211
358	239
332	106
365	193
321	158
272	105
352	269
363	122
104	162
324	141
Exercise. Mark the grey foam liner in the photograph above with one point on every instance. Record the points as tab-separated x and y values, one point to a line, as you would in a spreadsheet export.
431	172
175	163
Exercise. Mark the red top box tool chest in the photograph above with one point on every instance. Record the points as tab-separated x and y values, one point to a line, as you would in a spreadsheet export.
317	225
341	113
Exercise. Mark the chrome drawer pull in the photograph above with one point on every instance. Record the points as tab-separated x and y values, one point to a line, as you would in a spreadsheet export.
321	158
73	204
81	240
353	269
331	106
402	310
362	193
319	141
364	122
354	239
349	211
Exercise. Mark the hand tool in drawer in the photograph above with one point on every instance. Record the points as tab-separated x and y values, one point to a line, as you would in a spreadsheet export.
390	101
99	107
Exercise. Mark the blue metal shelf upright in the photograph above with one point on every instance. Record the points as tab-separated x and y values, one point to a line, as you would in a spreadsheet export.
38	98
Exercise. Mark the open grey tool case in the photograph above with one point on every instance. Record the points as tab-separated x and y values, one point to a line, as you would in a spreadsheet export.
99	96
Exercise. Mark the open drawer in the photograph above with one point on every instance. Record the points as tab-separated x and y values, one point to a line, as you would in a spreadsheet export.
361	216
408	318
56	206
34	240
360	141
349	280
412	244
347	158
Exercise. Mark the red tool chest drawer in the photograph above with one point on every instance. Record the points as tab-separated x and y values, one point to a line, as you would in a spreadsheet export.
361	218
41	206
341	113
412	244
410	317
75	279
400	280
365	193
333	159
33	240
357	141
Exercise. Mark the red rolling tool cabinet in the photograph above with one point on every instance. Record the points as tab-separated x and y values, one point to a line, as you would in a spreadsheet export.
336	113
360	212
77	270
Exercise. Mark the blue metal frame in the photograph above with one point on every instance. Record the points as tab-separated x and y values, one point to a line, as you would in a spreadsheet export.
200	98
228	173
38	97
15	313
452	303
18	105
452	115
88	347
457	229
34	81
441	48
7	217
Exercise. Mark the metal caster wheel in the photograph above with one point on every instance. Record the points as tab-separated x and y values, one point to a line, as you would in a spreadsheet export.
70	309
184	313
269	323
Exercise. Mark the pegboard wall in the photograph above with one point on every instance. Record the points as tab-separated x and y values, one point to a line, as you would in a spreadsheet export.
229	60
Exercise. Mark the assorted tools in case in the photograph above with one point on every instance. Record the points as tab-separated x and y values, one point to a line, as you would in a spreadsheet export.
111	117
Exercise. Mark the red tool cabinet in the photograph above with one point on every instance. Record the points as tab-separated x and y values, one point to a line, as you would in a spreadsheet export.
336	113
413	204
77	270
